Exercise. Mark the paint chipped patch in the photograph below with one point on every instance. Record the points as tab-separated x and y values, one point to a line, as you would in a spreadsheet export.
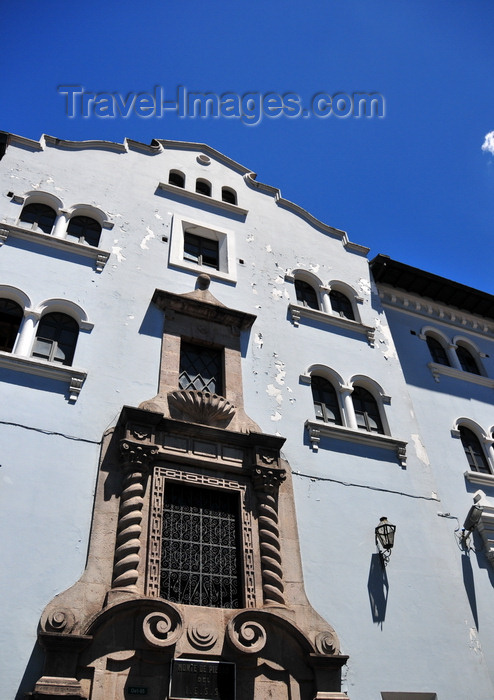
280	377
269	249
475	641
389	351
420	449
277	293
258	341
314	268
144	242
275	393
253	285
276	416
279	280
117	252
157	216
250	238
364	286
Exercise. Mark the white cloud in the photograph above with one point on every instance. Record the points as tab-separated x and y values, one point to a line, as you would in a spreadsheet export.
488	144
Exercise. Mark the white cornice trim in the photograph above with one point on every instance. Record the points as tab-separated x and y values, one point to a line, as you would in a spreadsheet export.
75	378
299	311
362	437
203	199
437	369
479	478
99	256
426	308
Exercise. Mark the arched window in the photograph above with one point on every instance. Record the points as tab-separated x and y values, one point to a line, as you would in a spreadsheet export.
228	195
39	215
341	304
84	230
438	353
177	178
203	187
325	400
56	338
306	294
10	320
473	449
366	411
467	360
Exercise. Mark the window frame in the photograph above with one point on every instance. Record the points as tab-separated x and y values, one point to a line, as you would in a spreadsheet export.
56	344
226	248
13	327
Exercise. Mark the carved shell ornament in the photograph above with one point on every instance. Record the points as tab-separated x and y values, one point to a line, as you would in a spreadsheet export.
200	406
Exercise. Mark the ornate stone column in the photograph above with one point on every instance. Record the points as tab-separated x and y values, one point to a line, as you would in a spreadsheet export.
136	459
267	481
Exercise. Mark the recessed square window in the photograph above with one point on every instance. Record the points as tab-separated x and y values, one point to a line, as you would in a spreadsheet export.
194	246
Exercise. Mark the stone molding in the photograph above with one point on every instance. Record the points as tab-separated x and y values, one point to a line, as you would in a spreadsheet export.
298	311
75	378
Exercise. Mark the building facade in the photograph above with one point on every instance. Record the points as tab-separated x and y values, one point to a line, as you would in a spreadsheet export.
209	401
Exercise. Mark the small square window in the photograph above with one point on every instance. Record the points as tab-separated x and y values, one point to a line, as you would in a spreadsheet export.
194	246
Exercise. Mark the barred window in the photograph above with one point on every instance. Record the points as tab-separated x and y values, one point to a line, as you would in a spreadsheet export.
201	368
200	554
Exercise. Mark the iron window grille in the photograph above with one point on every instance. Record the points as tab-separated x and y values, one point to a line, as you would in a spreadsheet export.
200	552
203	251
201	368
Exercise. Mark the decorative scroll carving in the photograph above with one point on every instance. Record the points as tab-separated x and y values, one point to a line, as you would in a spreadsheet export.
202	634
266	482
60	620
201	406
163	628
246	635
136	459
326	643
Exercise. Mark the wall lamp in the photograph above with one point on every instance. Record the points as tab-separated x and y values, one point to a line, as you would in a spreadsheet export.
385	538
471	521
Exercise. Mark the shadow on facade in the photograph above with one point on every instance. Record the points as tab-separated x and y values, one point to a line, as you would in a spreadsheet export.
469	584
33	671
378	588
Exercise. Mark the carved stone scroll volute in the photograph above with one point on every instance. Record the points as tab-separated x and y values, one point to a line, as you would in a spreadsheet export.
136	459
267	481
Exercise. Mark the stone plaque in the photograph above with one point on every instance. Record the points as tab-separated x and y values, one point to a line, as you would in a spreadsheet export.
202	680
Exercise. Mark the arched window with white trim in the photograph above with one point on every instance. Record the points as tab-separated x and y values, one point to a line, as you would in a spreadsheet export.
326	405
366	410
306	294
39	215
84	229
177	178
56	338
474	451
11	315
467	360
341	304
437	351
228	195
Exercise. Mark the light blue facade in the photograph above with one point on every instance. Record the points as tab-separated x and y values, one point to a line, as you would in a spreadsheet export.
424	623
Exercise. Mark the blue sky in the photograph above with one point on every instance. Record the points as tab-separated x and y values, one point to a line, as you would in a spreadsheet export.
414	184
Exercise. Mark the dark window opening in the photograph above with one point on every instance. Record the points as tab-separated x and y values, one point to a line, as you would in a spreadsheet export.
473	451
176	178
467	361
201	368
203	251
438	353
203	187
56	338
84	230
39	214
341	304
228	195
325	400
200	554
306	294
366	411
10	320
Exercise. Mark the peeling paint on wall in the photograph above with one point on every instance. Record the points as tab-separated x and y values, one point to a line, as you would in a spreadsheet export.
277	293
117	252
258	341
150	234
420	449
274	392
276	416
389	351
364	286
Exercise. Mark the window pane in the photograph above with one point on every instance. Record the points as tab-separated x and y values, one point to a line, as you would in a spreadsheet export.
467	360
306	294
366	410
341	305
326	405
10	320
201	368
473	450
59	332
438	353
200	562
84	230
40	214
